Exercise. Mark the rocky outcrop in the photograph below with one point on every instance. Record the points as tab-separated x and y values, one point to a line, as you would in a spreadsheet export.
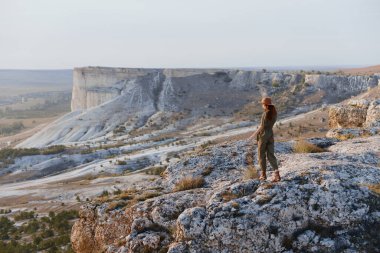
373	114
323	204
353	114
356	118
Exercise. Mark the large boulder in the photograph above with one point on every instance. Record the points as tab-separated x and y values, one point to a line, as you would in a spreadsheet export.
373	114
354	119
347	116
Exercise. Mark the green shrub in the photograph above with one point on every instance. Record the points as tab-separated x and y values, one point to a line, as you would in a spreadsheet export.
105	193
24	216
53	150
119	162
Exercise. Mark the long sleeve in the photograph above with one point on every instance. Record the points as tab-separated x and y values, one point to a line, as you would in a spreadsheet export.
262	123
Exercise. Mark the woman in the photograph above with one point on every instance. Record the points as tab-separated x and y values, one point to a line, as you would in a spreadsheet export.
265	140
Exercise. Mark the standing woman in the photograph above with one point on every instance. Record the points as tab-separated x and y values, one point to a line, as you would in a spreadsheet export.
265	140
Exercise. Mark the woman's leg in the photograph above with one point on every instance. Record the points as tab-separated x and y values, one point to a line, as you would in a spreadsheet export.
273	161
261	150
270	154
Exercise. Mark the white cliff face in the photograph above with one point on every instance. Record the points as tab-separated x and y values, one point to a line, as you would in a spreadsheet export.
104	98
341	86
93	86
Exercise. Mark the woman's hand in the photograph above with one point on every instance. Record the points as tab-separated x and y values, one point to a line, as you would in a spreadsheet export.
253	136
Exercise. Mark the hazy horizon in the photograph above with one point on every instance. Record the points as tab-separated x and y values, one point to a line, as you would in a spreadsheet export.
42	34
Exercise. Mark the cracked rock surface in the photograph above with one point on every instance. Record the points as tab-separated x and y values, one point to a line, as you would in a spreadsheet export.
323	204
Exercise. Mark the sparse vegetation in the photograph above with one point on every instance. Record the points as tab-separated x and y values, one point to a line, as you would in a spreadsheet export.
235	205
46	234
120	162
251	173
14	128
306	147
105	193
228	196
188	183
346	137
5	211
7	155
158	170
207	171
375	188
24	216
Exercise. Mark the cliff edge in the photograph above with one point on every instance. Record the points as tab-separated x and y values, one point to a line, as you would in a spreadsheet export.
327	202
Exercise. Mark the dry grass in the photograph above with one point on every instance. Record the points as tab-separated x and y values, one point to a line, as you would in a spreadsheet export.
306	147
147	195
235	205
188	183
116	205
228	196
249	157
345	137
375	188
128	198
251	173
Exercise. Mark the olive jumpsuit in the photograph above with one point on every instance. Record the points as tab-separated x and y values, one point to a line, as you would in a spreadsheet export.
265	143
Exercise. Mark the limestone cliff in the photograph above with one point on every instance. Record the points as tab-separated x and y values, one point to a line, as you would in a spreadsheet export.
93	86
104	98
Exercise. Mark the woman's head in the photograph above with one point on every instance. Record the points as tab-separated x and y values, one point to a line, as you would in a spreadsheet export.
268	107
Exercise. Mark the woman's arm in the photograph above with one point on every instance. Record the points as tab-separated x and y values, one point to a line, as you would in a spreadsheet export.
261	127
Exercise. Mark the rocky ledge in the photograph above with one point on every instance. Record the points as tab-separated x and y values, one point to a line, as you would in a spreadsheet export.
355	118
326	202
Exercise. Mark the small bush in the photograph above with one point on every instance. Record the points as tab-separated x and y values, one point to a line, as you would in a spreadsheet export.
147	195
207	171
155	170
235	205
306	147
24	216
188	183
346	137
119	162
105	193
53	150
117	192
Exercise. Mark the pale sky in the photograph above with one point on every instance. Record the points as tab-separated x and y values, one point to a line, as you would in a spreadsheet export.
54	34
